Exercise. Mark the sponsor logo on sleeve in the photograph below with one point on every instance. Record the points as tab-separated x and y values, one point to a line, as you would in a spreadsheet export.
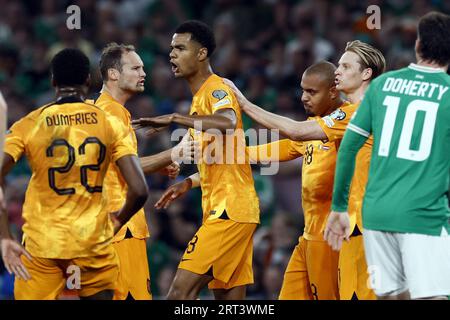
219	94
338	115
328	121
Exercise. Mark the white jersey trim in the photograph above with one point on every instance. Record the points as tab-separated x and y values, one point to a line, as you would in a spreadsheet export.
424	68
358	130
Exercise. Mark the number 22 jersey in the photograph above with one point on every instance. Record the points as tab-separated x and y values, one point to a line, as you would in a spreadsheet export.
69	145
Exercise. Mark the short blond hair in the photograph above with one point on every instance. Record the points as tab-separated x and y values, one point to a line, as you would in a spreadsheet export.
369	56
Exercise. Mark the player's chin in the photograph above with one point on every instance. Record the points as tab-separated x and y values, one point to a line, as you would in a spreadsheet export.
339	86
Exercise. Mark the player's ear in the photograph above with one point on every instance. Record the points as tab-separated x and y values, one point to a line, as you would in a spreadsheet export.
202	54
53	81
88	81
367	74
417	45
113	74
334	93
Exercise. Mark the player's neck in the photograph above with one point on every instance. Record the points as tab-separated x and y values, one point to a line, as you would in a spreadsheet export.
116	93
64	92
357	95
431	64
198	79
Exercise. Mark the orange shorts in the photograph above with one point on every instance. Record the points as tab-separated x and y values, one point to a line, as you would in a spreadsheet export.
312	272
224	249
353	275
134	275
87	276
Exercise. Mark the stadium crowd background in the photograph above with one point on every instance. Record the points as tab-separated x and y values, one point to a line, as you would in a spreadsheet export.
262	45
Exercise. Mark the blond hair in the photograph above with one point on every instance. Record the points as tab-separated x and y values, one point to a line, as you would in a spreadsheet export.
369	56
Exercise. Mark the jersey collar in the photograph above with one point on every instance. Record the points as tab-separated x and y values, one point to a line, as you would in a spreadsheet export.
424	68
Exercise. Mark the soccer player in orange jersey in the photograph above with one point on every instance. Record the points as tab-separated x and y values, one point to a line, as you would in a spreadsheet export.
360	64
123	76
312	272
68	227
220	253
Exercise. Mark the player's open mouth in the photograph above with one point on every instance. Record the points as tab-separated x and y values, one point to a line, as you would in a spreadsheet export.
174	67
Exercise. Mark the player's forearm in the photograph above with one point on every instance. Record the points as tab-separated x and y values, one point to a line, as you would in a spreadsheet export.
4	225
194	180
7	165
153	163
134	202
137	187
294	130
204	123
345	167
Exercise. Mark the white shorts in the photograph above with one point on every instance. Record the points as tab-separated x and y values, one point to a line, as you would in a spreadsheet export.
400	262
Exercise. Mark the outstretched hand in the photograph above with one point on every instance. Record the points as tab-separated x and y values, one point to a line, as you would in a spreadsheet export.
173	192
154	123
242	100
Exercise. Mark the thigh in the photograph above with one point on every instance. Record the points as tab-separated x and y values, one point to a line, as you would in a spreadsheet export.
46	283
426	261
222	249
322	264
296	284
234	264
97	273
134	274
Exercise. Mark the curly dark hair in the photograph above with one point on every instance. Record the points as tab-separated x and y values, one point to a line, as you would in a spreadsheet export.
70	67
434	38
200	32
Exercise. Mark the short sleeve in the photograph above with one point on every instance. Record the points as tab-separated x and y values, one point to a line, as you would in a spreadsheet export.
221	97
281	150
335	124
121	139
15	138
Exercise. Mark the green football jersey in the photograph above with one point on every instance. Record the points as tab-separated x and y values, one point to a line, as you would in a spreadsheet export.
408	113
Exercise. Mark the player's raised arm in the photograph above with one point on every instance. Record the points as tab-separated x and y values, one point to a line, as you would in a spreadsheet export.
277	151
222	120
294	130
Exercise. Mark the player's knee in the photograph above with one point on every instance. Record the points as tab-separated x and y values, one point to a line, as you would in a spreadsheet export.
176	292
182	292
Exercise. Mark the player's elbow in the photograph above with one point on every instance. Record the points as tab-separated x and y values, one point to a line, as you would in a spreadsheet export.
229	125
139	192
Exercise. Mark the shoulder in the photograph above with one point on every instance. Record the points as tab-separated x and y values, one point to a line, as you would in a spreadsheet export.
112	107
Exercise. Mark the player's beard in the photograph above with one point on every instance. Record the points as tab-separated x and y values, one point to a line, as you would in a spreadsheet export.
133	89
